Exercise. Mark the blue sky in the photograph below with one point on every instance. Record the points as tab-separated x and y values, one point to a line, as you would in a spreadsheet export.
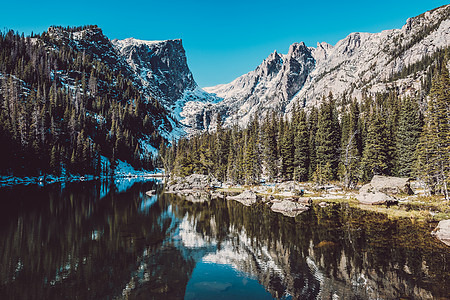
223	39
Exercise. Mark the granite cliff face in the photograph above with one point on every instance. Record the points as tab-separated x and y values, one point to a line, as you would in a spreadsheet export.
270	86
361	63
368	62
161	66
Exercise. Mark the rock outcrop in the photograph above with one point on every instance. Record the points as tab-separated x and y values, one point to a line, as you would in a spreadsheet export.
160	65
192	182
246	197
289	208
442	232
381	189
270	86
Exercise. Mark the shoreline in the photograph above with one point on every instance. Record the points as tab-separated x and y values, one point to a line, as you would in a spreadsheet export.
415	205
43	180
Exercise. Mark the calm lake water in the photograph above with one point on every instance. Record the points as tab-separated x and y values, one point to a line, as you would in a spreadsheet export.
109	240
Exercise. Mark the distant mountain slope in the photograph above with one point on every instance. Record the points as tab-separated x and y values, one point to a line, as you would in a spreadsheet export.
270	86
367	62
362	63
160	65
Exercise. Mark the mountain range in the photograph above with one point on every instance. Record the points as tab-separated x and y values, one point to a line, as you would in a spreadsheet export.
83	64
361	64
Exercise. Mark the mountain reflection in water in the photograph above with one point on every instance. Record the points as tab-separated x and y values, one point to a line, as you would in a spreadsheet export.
109	240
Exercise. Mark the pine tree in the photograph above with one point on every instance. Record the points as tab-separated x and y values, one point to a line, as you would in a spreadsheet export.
312	127
407	137
287	152
270	150
54	161
434	145
251	163
220	150
350	146
301	153
376	158
328	136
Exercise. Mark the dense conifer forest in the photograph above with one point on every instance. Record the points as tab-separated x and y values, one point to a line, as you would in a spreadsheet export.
62	109
344	139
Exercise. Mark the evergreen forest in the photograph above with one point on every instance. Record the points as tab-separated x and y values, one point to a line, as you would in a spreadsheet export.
62	108
346	140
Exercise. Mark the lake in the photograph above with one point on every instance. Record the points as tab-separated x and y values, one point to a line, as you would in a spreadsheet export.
109	240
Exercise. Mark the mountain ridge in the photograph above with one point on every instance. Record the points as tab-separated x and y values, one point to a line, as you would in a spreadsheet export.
359	64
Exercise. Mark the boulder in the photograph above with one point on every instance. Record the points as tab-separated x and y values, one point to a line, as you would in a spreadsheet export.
289	208
375	198
388	185
381	189
246	197
442	232
290	186
197	197
151	193
193	182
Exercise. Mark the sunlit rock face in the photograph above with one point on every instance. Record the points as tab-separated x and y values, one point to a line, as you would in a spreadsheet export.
360	64
271	86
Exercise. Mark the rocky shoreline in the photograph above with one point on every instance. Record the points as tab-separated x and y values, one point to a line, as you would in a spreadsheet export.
292	198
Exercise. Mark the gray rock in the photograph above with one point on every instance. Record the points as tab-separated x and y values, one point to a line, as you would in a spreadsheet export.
381	189
197	197
151	193
161	66
442	232
289	208
374	198
388	185
193	182
246	197
289	186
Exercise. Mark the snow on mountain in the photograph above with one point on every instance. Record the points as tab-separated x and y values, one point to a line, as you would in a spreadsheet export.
157	68
360	63
160	65
162	68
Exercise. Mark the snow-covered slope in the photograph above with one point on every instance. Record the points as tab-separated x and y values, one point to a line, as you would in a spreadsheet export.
162	69
160	65
360	63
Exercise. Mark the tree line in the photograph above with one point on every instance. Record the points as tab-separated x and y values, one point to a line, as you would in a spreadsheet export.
61	109
342	139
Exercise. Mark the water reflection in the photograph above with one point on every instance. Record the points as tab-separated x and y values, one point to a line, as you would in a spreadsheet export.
97	240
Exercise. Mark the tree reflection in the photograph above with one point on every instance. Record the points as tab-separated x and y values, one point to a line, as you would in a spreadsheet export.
73	245
334	250
83	242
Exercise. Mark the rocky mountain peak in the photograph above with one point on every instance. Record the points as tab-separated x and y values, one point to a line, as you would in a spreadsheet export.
270	66
90	40
160	65
297	49
361	63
